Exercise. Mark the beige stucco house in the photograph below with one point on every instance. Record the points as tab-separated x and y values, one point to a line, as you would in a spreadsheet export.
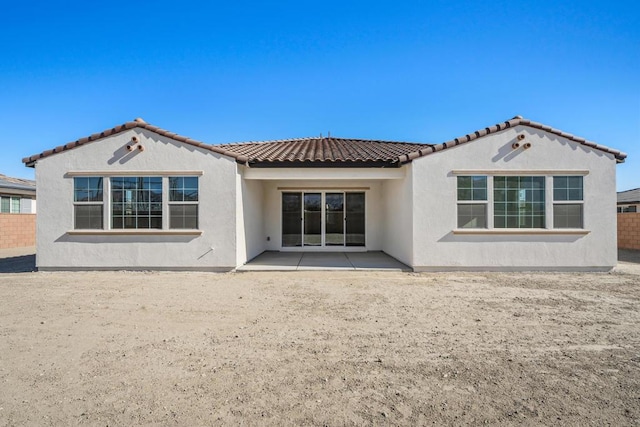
519	195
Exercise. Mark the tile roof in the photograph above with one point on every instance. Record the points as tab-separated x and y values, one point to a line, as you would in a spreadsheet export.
516	121
137	123
326	151
16	183
629	196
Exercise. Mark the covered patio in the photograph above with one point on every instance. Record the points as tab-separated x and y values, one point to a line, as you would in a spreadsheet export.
304	261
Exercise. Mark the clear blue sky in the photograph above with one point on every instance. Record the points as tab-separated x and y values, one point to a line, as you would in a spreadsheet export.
423	71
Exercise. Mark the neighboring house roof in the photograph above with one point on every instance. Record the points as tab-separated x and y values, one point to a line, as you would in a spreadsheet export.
629	196
326	151
17	185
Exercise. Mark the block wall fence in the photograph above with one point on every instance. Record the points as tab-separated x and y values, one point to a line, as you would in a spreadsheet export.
629	230
17	230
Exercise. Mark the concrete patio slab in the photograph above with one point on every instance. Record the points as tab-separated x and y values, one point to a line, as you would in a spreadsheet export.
289	261
325	261
375	261
273	261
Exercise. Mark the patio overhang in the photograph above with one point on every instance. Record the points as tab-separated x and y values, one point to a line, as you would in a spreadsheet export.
323	173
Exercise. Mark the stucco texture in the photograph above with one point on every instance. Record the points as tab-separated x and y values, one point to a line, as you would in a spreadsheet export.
434	206
215	248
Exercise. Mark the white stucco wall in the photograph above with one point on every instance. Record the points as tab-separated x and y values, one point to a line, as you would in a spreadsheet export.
250	214
214	249
434	201
397	214
318	181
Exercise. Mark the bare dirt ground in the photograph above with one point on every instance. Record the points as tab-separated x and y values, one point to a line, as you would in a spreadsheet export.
320	348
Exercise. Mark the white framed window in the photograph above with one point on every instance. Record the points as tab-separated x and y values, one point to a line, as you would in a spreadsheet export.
472	202
88	204
183	202
136	202
507	201
9	204
568	202
627	209
519	202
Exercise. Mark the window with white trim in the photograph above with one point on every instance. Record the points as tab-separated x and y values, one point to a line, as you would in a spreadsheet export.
136	202
88	203
472	202
9	204
568	202
518	202
183	202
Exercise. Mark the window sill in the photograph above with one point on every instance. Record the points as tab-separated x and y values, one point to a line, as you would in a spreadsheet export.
131	232
522	231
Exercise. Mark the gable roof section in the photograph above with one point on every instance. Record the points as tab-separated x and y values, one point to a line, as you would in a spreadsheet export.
137	123
629	196
516	121
321	151
331	152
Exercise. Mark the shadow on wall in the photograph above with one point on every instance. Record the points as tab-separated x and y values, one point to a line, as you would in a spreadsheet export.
519	238
126	152
510	150
134	238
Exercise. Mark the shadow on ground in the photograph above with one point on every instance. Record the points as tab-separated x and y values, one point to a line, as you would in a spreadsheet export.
628	255
18	264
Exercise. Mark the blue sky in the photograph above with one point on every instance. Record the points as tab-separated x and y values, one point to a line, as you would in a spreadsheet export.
424	71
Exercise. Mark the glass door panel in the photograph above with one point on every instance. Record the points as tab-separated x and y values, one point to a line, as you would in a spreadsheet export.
355	219
312	219
334	219
291	219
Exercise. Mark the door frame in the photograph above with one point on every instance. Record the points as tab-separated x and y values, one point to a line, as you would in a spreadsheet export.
323	248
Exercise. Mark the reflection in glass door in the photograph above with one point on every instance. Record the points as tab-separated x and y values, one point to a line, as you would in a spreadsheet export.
312	219
319	219
291	219
355	219
334	219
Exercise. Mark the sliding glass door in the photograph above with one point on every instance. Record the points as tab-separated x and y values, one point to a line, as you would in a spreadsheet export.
291	219
334	219
323	219
312	219
354	219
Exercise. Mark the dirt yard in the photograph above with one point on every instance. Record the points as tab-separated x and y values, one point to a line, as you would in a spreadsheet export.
320	348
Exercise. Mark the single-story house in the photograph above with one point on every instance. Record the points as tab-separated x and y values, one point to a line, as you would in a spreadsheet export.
518	195
17	212
629	201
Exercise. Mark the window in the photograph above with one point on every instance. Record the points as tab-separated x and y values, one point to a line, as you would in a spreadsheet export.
136	202
87	202
183	202
567	202
472	202
9	204
627	209
518	202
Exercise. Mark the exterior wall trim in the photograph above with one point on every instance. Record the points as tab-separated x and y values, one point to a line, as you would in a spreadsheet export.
133	173
517	231
520	172
311	187
134	232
